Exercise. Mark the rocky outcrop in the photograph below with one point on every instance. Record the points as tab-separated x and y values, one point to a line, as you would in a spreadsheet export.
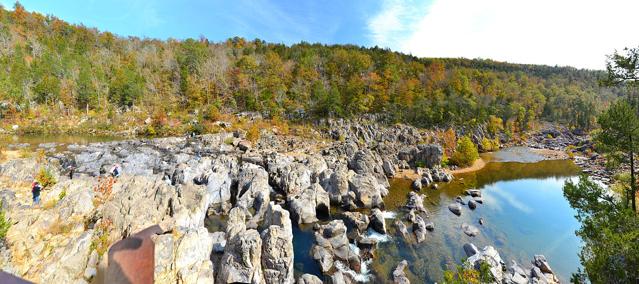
277	255
306	205
356	220
377	221
399	276
491	257
309	279
277	246
332	247
253	189
139	202
241	262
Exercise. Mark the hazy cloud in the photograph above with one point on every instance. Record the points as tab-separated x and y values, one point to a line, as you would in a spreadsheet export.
553	32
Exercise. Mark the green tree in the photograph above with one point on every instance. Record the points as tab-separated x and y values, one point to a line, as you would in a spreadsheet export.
465	153
610	232
126	87
619	137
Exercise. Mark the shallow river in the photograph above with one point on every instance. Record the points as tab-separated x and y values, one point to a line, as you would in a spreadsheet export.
524	214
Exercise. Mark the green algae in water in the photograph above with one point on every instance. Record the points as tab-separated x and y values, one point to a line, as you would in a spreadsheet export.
524	211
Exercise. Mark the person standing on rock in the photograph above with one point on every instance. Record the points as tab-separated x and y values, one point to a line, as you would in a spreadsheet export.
115	170
35	190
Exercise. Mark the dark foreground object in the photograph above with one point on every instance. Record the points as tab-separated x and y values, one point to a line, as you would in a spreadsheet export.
131	260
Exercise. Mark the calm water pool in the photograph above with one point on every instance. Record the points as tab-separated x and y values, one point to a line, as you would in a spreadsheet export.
524	212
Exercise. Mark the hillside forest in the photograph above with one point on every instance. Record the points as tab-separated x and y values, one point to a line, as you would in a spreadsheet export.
59	77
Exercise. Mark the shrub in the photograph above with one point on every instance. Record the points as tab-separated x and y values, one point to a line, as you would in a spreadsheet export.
253	133
4	223
101	241
461	276
495	125
228	140
489	145
62	194
149	130
465	153
45	177
212	113
2	153
449	139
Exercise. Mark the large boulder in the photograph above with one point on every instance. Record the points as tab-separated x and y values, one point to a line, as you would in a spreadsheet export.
309	279
192	257
71	262
220	181
368	192
277	255
399	276
419	228
377	222
306	205
335	182
516	275
356	220
429	155
415	202
491	257
139	202
253	189
191	208
332	246
365	162
241	262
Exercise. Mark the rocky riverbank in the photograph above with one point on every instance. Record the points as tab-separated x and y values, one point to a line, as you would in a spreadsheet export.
558	142
262	188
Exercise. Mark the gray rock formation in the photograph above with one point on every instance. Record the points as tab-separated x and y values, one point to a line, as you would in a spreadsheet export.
331	246
399	276
455	208
377	221
241	262
309	203
308	279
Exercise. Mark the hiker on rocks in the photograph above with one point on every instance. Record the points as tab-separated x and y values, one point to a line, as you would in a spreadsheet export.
116	170
71	171
35	190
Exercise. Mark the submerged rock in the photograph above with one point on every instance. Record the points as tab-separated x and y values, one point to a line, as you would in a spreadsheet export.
470	230
470	249
472	204
399	276
455	208
401	228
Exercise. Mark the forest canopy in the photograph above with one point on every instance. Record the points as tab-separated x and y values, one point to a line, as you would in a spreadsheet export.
76	70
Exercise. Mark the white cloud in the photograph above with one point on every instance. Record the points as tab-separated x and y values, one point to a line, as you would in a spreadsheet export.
392	24
554	32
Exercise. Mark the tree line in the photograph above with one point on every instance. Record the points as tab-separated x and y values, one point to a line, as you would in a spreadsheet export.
73	69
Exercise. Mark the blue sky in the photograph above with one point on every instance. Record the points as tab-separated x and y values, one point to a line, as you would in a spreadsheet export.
576	33
288	21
